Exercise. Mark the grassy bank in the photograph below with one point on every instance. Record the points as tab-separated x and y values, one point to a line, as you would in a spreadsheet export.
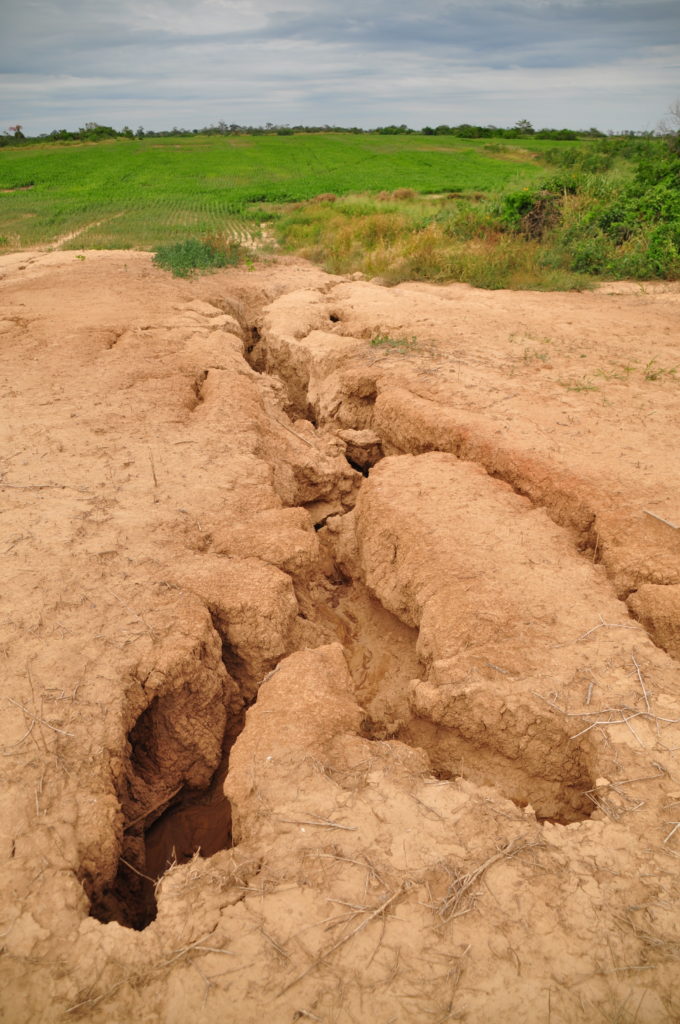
611	210
417	240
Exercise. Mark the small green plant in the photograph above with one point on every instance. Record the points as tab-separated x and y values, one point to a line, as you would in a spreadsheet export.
400	344
531	354
621	373
572	384
192	256
654	372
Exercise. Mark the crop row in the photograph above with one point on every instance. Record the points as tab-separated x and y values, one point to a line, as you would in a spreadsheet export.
151	191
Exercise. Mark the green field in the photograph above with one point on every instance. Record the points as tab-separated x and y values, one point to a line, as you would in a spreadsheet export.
142	193
523	213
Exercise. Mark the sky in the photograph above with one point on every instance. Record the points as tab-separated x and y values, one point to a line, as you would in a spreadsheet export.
609	64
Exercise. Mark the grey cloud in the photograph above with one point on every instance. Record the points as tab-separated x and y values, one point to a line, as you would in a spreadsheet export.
190	56
503	33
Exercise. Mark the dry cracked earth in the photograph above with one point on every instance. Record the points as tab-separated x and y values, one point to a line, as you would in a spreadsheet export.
339	648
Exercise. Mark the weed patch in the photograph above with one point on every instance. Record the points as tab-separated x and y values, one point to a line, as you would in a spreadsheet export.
576	384
400	344
192	256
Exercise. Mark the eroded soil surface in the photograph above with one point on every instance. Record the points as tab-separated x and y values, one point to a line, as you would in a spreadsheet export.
339	648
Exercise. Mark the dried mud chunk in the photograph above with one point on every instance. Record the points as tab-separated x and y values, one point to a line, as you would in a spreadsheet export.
528	755
253	607
304	704
410	423
177	705
364	448
658	609
486	576
283	537
306	357
504	604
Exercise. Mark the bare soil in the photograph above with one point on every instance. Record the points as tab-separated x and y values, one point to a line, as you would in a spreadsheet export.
339	680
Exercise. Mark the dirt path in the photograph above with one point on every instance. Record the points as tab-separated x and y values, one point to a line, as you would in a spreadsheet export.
388	631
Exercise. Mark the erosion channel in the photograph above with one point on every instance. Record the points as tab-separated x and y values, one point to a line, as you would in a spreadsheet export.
340	650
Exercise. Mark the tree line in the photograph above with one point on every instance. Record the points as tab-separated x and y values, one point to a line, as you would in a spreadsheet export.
94	132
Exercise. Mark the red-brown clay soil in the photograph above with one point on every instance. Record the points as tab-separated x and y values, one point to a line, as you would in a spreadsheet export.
339	680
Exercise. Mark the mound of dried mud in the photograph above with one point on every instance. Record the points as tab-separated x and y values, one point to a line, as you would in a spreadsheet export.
340	679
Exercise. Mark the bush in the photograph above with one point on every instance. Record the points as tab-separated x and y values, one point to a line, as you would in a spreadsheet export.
531	212
514	206
590	255
620	225
185	258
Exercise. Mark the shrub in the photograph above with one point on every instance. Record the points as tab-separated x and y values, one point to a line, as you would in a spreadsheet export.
590	255
514	206
531	211
185	258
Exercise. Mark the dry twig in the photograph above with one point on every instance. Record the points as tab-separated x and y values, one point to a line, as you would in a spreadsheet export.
462	884
661	519
403	888
319	823
295	434
35	718
155	807
43	487
627	714
601	625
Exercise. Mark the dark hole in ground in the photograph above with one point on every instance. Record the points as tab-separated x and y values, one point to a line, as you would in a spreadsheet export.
253	336
234	665
364	470
197	388
130	899
193	822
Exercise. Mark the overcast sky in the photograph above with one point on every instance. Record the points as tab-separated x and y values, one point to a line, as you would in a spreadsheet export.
612	64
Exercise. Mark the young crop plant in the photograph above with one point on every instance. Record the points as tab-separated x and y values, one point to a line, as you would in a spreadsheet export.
393	206
654	372
534	354
621	373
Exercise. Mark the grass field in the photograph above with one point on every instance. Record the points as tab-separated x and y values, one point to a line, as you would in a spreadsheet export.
512	214
142	193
